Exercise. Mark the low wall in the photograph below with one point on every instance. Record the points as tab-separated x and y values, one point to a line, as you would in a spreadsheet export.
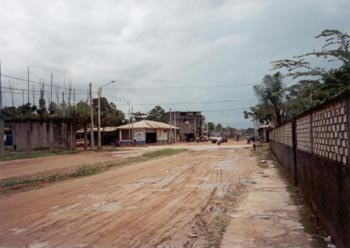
36	134
314	148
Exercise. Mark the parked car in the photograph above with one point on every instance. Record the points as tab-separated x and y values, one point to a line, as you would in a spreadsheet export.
214	137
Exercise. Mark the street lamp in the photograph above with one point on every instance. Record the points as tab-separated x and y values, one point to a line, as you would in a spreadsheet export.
99	112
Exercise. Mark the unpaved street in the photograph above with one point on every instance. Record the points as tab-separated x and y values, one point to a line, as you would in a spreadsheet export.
186	200
144	205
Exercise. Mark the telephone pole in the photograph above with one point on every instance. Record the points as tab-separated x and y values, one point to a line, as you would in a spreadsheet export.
92	119
28	85
1	121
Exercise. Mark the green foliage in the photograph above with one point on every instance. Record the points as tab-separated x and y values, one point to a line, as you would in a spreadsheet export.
53	109
82	109
110	115
271	95
318	84
211	126
13	155
157	114
42	112
219	127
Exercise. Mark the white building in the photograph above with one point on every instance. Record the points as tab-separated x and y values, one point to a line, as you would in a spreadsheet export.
148	132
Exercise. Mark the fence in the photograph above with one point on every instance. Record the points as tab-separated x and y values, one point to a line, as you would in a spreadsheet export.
315	149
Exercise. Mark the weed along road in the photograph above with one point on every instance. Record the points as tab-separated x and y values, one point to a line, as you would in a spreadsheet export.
183	200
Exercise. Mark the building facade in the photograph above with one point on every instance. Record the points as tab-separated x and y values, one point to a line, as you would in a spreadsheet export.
191	124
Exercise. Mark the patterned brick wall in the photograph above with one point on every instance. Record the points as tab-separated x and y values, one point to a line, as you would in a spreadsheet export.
323	132
330	138
304	134
283	134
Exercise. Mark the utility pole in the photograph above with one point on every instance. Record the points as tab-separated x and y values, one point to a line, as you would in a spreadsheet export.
195	126
129	119
63	105
174	117
75	109
132	123
51	90
99	144
33	90
92	119
1	121
69	97
170	136
28	85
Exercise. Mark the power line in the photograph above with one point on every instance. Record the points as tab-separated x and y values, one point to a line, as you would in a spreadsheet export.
184	103
187	86
39	83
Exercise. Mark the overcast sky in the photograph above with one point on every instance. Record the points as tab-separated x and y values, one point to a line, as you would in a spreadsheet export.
184	55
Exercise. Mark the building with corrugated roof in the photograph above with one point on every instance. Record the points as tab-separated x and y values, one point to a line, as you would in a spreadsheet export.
148	132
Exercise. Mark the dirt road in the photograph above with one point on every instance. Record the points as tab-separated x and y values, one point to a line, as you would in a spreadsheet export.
151	204
35	166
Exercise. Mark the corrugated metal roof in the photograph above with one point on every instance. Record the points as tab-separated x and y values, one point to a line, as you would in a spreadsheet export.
103	129
146	124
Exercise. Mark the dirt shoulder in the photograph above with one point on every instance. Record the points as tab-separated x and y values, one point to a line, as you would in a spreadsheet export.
35	166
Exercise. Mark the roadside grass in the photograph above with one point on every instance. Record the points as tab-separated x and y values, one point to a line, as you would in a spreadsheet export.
13	185
261	153
12	155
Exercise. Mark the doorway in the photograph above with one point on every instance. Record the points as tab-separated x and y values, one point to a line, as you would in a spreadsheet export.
151	138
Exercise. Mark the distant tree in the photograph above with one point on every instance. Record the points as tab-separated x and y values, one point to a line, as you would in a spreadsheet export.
157	114
110	115
42	112
53	109
219	127
82	109
271	95
25	111
211	126
9	113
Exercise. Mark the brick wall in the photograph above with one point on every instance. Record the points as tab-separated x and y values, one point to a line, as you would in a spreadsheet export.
329	132
314	148
283	134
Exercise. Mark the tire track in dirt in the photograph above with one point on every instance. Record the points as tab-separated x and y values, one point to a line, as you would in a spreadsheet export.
145	204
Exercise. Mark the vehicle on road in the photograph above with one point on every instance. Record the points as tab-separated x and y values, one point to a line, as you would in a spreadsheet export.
214	137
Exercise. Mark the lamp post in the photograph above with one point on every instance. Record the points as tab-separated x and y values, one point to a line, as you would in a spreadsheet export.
99	112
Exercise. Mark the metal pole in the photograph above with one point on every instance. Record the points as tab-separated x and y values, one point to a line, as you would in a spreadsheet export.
170	125
51	89
91	119
1	121
99	118
132	123
28	86
129	118
174	117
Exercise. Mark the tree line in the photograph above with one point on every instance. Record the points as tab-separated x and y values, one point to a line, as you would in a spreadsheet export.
311	84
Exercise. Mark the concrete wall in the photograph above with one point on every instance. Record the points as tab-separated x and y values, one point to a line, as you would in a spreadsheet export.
35	134
314	148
